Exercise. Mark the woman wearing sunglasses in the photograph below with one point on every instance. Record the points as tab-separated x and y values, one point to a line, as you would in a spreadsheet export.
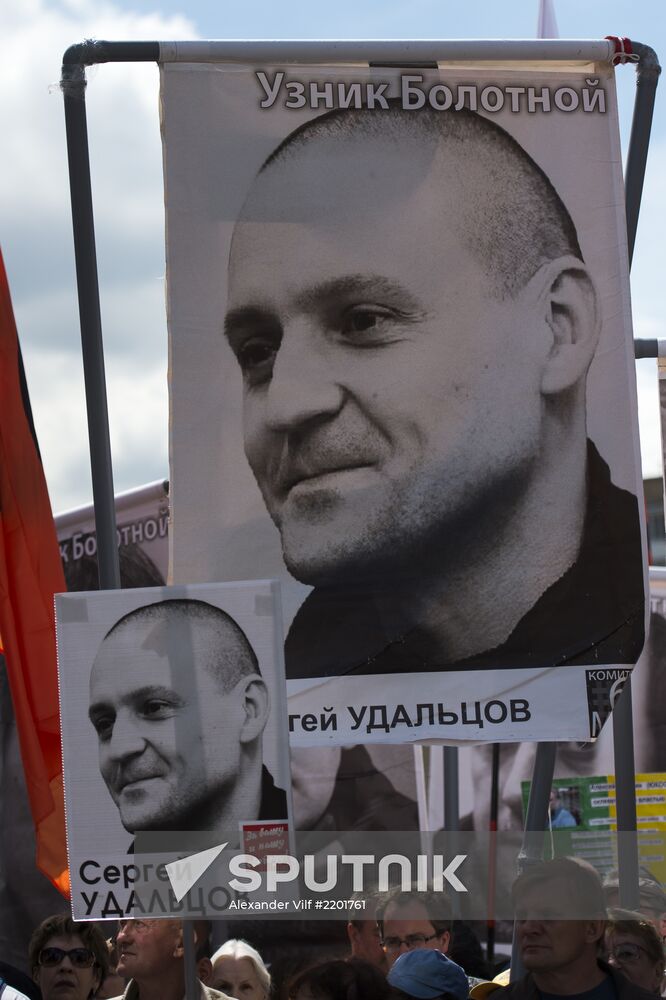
68	960
634	947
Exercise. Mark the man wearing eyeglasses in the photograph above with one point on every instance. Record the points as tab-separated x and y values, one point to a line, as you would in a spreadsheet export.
410	920
151	954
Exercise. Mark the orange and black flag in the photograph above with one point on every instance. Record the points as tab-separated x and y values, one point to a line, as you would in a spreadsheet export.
30	574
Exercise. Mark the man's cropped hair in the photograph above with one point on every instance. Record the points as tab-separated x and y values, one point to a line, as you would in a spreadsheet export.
436	905
569	888
230	660
514	219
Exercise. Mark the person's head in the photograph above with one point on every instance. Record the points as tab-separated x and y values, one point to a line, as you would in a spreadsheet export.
179	707
114	984
240	971
340	980
560	916
137	569
68	960
636	949
414	322
364	934
150	949
425	974
414	920
465	949
652	898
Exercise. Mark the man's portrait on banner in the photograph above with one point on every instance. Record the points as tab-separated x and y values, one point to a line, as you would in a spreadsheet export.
414	321
179	707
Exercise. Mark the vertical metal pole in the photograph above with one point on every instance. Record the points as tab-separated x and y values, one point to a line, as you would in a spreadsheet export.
536	823
189	947
452	809
451	790
73	85
647	77
492	854
625	800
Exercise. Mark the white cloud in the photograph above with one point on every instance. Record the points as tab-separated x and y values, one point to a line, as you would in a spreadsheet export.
126	166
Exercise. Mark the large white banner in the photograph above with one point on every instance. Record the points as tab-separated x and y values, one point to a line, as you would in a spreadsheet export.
173	715
402	383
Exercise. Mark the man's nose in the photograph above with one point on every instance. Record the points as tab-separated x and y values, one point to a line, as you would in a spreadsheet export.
124	932
303	385
127	737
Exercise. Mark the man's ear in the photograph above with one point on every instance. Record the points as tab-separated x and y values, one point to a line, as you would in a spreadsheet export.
179	947
594	930
569	307
446	941
256	706
205	970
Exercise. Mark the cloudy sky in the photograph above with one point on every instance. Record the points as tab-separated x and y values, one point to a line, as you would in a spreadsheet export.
35	221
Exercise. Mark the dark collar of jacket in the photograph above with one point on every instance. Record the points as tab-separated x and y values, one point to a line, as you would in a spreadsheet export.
593	614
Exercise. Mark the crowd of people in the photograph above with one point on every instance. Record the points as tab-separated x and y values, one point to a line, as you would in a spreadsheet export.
570	944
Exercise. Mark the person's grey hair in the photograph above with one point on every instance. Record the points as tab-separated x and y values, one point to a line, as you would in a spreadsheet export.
232	656
237	948
513	224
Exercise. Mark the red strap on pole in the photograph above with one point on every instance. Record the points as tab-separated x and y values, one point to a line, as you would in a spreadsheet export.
623	50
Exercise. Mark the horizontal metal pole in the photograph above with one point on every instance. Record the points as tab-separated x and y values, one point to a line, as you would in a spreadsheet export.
394	51
650	348
387	50
91	52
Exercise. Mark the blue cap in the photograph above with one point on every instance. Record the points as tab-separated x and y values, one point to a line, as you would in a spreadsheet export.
426	973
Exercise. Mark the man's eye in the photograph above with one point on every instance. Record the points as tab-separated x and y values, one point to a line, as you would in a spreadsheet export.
372	320
104	726
256	357
156	708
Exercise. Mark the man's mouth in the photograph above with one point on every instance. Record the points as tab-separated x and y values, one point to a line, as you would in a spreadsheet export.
299	475
127	784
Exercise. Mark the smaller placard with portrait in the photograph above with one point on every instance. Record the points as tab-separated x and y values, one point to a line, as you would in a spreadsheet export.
173	712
